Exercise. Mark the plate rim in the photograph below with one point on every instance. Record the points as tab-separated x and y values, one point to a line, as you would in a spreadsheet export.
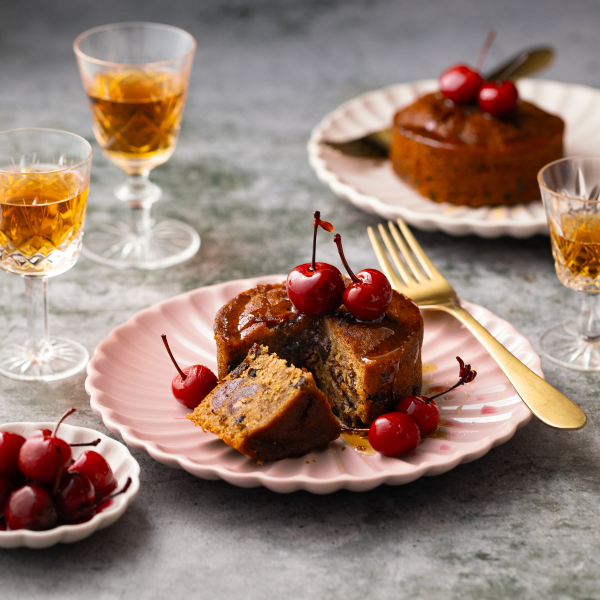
70	533
462	225
298	482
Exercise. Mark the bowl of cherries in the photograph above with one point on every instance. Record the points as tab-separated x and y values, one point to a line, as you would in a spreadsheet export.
60	483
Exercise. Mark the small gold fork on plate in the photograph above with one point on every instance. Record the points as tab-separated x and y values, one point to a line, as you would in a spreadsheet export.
417	278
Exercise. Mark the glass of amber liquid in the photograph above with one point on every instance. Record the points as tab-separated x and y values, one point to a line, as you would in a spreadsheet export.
136	77
44	180
570	191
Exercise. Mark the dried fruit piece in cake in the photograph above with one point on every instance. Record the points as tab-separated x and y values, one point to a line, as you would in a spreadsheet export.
268	410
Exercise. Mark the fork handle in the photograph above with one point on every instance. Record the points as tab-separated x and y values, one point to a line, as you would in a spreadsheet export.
545	402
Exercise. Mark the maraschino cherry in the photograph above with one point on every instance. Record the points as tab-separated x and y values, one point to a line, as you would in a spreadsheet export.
315	288
370	293
424	410
31	507
460	83
97	470
99	504
10	445
39	433
41	457
393	434
498	97
6	489
74	498
191	384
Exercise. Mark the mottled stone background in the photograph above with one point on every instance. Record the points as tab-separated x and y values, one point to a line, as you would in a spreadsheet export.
522	522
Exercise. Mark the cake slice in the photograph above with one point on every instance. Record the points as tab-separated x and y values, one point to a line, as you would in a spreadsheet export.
268	410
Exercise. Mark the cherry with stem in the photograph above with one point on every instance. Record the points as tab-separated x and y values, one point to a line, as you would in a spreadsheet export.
370	293
191	384
97	470
315	288
39	459
461	83
501	97
422	409
86	505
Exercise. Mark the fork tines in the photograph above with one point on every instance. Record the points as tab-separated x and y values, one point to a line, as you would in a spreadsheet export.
408	268
412	272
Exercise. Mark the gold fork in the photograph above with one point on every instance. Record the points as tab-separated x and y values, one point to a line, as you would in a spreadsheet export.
417	277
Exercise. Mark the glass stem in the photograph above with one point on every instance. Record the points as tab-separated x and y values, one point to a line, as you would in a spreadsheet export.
139	193
588	321
36	291
139	209
140	218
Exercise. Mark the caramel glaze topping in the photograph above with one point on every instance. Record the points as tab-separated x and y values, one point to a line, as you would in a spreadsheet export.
269	306
273	308
265	305
440	120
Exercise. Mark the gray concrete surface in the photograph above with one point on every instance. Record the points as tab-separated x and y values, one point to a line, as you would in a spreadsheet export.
522	522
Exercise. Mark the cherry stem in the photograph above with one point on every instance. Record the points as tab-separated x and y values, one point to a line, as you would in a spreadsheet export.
465	375
337	238
69	412
94	443
428	400
87	505
317	217
513	67
486	46
59	472
164	339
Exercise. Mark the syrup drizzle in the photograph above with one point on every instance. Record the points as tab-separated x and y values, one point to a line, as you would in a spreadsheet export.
359	442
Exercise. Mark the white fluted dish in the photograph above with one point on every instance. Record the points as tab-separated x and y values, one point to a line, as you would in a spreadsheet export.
374	187
123	466
129	383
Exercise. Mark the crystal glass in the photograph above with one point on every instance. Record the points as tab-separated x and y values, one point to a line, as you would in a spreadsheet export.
570	191
136	77
44	180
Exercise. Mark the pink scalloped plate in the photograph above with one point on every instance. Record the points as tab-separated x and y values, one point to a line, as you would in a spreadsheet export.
129	383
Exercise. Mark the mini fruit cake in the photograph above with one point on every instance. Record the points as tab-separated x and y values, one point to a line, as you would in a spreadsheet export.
363	368
460	154
268	410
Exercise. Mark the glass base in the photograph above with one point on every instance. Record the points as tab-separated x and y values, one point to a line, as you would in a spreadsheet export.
564	346
58	358
166	243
